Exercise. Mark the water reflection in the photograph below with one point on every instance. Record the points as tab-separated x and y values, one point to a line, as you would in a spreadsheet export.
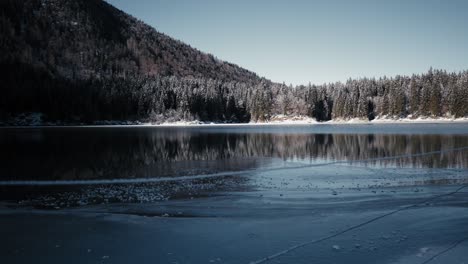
68	154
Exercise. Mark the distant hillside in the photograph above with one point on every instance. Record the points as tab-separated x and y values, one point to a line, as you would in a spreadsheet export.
92	39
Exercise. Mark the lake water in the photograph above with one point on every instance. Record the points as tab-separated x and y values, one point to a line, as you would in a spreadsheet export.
69	154
133	155
258	190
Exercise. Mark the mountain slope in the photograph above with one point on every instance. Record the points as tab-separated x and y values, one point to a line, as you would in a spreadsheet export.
92	39
84	61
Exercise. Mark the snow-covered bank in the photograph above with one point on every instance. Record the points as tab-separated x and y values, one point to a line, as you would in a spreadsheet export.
302	120
399	120
36	120
287	121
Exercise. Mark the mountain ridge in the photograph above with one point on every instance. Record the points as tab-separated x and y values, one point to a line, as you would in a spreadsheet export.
99	40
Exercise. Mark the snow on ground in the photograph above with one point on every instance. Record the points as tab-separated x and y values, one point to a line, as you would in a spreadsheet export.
389	120
301	120
297	120
28	119
420	120
289	120
36	119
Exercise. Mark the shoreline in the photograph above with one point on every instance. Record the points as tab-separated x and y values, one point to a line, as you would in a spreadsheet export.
289	122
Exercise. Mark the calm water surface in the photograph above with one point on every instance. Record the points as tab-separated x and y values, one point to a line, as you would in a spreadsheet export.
149	152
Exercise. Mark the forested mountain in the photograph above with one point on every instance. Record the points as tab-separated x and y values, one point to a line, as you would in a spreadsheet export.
91	39
81	61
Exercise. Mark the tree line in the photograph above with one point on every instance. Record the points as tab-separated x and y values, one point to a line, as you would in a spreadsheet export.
161	99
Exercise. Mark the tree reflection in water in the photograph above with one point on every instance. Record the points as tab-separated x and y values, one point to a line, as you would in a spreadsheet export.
71	154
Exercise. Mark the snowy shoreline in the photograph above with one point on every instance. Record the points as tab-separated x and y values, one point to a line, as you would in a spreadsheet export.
34	120
314	122
282	122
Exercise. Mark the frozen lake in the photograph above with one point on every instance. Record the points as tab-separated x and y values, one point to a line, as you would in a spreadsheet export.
353	193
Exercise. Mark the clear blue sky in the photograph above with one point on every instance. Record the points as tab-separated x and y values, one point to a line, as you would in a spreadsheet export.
298	41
